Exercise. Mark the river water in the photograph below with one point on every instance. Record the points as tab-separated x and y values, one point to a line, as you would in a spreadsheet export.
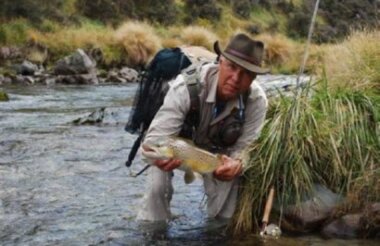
66	184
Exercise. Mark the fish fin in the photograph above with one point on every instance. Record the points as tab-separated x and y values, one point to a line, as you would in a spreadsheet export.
189	177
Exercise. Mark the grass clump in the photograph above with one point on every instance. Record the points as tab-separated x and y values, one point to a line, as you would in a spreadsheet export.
66	40
198	36
139	42
331	138
355	63
3	96
14	32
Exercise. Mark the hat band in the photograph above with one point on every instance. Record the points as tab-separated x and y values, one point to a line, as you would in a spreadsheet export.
242	56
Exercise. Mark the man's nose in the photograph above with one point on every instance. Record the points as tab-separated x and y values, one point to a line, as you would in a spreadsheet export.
236	76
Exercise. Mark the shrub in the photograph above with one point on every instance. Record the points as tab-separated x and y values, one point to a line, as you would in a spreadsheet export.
242	8
157	11
202	9
139	42
14	32
355	63
198	36
106	10
31	10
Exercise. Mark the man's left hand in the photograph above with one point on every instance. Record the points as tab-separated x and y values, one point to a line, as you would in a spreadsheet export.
229	169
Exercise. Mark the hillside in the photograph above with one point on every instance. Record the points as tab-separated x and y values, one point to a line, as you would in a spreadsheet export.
59	27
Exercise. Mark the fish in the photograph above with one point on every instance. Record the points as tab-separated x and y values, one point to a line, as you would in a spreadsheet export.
194	159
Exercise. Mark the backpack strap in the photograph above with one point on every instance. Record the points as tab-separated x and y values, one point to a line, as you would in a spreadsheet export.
192	120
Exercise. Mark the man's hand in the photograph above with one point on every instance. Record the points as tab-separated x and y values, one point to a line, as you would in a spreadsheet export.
229	169
167	165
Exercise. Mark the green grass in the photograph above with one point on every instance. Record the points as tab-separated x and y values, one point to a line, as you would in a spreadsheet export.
330	138
14	32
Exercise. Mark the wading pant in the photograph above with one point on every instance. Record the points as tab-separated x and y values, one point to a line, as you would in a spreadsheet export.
221	196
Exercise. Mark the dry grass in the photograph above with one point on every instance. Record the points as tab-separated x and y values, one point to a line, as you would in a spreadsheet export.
66	40
198	36
355	63
139	41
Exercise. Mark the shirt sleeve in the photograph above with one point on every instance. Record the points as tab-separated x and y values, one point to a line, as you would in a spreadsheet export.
170	117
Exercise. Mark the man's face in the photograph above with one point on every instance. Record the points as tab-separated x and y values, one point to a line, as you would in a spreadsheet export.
233	79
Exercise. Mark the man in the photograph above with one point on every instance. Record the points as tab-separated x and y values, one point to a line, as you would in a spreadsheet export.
232	113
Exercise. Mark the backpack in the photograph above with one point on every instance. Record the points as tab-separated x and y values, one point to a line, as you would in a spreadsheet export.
153	86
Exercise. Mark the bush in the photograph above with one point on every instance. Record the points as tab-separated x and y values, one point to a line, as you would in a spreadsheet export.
202	9
14	32
31	10
198	36
107	10
242	8
139	42
159	11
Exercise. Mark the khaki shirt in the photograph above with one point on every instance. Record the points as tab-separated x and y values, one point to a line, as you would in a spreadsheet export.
170	117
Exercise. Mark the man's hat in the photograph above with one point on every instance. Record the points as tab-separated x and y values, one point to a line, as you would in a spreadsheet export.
245	52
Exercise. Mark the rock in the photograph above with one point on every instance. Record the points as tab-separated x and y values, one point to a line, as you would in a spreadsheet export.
364	224
90	79
369	224
123	76
345	227
95	117
129	74
77	63
26	68
9	53
313	211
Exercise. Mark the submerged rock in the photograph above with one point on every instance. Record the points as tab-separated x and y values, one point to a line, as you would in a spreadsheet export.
95	117
365	224
310	214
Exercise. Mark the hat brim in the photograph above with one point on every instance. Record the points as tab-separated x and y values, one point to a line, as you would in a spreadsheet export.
243	63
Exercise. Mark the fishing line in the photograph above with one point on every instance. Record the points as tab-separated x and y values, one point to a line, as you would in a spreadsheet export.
306	51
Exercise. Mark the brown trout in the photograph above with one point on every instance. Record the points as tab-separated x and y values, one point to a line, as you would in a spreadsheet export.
193	158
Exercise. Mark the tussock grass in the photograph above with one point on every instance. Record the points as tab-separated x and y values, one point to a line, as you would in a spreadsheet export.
278	49
139	40
354	63
198	36
284	55
68	39
329	138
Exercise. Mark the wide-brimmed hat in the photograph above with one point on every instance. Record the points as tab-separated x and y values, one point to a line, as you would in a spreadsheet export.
245	52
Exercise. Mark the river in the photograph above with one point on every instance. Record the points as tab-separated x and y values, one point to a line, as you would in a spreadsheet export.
66	184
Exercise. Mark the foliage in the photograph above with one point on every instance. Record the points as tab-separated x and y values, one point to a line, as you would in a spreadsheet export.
34	11
139	41
198	36
106	10
355	63
3	96
242	8
66	40
202	9
330	138
163	12
14	33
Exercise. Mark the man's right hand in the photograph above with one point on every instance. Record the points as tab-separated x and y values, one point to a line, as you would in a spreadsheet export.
167	165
